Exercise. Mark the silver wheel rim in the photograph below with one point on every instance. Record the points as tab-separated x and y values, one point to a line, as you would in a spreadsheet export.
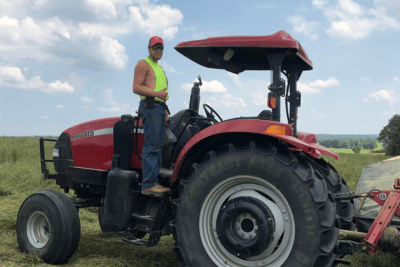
38	229
244	185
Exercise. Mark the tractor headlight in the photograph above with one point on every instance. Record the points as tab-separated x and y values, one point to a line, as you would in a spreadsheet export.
56	152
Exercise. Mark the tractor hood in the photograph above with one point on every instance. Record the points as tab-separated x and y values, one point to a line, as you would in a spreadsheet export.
240	53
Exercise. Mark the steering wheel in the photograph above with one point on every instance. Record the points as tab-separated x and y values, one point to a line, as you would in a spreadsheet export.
211	112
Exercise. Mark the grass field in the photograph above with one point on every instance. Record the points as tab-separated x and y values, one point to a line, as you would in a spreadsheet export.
363	151
20	176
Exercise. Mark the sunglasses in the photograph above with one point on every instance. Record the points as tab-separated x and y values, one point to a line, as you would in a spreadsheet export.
157	47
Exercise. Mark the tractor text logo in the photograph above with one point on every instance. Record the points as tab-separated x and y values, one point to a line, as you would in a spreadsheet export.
81	135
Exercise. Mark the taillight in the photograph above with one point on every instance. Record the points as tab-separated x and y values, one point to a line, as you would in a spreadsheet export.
277	129
271	102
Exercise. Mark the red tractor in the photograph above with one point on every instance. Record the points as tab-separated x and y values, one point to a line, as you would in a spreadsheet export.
247	191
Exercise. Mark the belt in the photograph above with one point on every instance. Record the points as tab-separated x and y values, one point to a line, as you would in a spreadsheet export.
161	104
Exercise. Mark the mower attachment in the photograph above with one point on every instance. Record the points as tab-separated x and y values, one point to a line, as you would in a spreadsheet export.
379	234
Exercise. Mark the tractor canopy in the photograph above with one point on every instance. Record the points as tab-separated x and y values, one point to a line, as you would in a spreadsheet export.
239	53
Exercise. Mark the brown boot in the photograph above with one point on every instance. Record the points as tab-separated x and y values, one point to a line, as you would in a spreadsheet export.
155	190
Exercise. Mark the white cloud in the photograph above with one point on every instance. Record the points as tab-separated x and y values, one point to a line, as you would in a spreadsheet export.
259	98
13	77
104	9
396	79
349	20
306	89
217	96
154	19
300	25
382	94
60	106
86	99
258	92
113	106
212	86
392	5
366	100
318	3
168	68
230	101
226	102
385	95
235	78
45	117
332	81
315	87
83	33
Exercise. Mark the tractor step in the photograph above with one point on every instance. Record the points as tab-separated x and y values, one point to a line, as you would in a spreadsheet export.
135	241
145	218
165	173
341	261
151	242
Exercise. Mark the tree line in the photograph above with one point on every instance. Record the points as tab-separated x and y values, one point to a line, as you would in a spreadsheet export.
368	143
390	136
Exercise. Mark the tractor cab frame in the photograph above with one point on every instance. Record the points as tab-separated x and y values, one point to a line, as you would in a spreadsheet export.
279	53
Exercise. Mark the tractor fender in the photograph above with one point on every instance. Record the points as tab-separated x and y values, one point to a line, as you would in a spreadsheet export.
305	142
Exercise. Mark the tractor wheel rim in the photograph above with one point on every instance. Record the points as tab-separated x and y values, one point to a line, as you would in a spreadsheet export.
278	252
38	229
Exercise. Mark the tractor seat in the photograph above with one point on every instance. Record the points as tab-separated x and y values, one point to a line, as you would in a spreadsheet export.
265	114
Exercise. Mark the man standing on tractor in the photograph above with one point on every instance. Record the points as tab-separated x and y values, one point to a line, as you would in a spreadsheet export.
151	84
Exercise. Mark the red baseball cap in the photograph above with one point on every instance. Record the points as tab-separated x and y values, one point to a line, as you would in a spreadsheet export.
156	40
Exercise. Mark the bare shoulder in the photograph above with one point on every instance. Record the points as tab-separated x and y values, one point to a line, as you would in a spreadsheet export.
142	64
142	67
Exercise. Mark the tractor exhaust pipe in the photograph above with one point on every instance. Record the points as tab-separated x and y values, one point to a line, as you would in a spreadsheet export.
195	96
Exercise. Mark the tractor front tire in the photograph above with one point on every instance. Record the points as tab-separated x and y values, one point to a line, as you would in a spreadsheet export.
48	226
258	204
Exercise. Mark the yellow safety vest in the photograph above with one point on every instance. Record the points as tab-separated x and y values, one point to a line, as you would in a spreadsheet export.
161	79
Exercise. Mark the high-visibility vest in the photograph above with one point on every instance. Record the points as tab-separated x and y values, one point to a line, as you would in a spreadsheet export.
161	79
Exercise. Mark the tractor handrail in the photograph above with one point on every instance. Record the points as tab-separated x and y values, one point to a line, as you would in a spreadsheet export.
43	159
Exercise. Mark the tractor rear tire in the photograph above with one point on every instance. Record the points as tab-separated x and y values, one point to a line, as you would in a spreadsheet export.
48	226
335	183
254	205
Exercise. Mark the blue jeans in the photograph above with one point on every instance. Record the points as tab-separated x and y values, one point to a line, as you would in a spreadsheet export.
154	134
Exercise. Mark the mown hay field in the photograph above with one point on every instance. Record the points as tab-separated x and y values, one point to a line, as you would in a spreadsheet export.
20	176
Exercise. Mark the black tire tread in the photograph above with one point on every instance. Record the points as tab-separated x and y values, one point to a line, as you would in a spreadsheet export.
68	215
337	185
305	172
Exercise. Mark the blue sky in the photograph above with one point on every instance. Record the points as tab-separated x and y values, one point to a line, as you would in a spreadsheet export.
66	62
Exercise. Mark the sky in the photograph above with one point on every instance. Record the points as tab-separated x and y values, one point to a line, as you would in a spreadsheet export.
66	62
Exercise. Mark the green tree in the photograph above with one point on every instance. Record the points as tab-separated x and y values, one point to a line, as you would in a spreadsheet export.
356	149
369	144
390	136
335	143
353	142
